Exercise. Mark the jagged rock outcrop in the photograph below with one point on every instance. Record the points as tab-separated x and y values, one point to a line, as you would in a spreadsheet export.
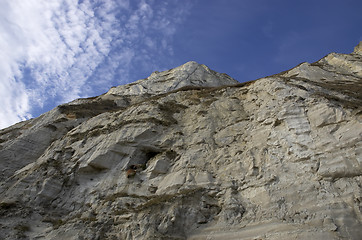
193	154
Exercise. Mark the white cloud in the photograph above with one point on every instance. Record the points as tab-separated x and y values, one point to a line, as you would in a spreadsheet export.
69	48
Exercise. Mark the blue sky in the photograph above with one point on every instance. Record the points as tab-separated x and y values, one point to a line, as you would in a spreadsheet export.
54	51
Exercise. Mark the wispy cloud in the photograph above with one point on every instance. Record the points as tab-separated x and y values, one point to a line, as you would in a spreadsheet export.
55	51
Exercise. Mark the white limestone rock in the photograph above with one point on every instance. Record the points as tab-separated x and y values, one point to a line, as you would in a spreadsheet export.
276	158
187	75
358	48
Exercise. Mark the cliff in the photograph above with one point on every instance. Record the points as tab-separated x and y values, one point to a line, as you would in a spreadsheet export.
190	153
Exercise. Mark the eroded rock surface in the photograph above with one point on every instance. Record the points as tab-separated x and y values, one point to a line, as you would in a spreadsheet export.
277	158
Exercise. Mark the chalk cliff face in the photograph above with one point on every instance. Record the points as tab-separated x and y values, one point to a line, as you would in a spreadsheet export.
193	154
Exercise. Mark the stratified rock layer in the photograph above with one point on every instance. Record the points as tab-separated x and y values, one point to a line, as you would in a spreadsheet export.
210	158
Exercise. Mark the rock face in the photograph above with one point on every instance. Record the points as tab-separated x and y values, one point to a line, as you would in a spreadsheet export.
193	154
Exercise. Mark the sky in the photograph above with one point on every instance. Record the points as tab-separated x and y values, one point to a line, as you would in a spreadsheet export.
55	51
